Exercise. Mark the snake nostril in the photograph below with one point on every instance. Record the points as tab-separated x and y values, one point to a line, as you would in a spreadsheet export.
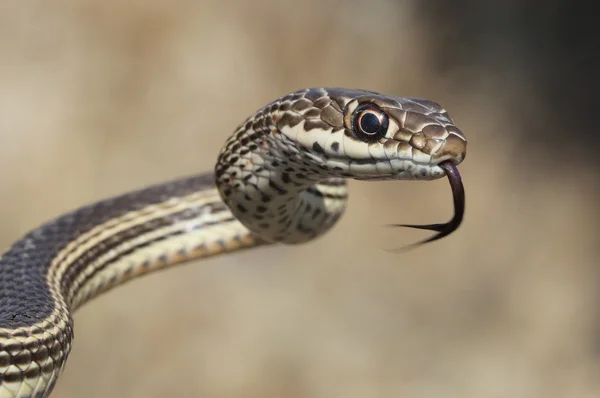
453	148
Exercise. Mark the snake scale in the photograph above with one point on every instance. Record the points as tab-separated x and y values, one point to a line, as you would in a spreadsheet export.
280	178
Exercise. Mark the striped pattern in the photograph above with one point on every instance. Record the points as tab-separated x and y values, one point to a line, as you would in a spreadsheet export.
281	177
190	222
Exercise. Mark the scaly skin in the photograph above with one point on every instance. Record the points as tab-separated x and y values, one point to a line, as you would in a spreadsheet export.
280	178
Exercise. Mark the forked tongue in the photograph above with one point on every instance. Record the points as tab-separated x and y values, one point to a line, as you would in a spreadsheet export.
458	195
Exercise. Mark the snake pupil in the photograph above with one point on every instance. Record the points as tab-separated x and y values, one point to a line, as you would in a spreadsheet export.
370	123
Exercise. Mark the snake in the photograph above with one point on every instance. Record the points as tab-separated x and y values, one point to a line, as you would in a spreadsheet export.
280	178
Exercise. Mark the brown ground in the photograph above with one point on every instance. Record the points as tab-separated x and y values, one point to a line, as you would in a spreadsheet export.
97	98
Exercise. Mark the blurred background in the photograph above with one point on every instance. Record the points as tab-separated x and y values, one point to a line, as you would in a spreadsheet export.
102	97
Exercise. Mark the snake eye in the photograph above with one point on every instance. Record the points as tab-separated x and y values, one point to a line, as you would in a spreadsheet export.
370	123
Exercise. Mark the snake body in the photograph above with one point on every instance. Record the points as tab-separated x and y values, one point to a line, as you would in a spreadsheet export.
281	177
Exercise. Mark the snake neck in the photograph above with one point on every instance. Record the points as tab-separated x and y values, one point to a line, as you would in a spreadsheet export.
295	216
276	190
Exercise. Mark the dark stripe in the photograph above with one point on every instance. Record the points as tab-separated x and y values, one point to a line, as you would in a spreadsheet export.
321	194
66	253
333	182
24	297
110	243
135	248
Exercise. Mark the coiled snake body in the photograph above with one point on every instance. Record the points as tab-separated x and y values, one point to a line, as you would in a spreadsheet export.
279	178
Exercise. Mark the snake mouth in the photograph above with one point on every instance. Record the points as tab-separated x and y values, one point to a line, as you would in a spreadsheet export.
458	195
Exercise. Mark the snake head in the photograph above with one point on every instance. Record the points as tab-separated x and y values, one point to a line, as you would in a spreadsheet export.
295	152
368	136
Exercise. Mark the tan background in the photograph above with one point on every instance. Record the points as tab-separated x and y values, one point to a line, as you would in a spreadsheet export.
101	97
